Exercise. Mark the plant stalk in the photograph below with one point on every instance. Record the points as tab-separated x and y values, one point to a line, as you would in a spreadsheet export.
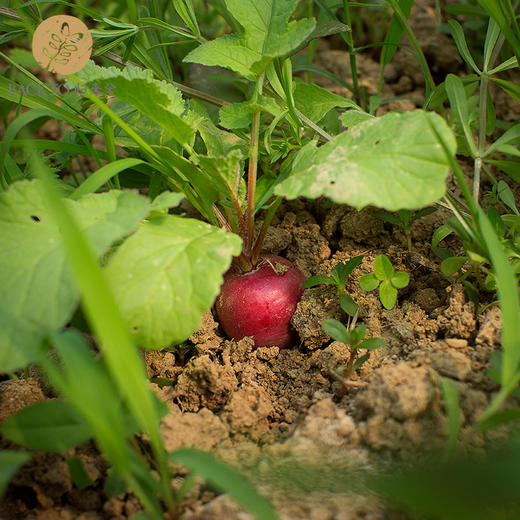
253	168
352	54
265	226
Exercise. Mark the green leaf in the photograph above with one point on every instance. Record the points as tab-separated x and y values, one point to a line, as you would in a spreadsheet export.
360	361
336	330
458	35
511	135
77	473
267	34
366	164
452	405
10	463
506	196
348	304
372	343
166	200
239	115
350	118
509	87
46	426
395	31
347	268
383	268
167	274
317	280
37	292
400	280
503	14
387	294
453	264
158	100
226	479
388	217
101	176
357	335
440	234
327	28
314	102
459	105
368	282
499	418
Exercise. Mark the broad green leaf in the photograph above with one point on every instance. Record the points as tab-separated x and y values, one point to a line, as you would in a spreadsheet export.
387	294
46	426
368	282
350	118
400	280
166	200
158	100
37	293
239	115
167	274
336	330
226	479
267	34
327	28
451	265
393	162
383	268
317	280
348	304
372	343
314	102
10	463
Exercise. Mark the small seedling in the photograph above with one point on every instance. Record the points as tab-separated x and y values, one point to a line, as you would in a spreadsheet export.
387	279
356	339
405	218
338	277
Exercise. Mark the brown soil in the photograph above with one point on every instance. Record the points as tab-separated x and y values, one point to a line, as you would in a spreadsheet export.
264	410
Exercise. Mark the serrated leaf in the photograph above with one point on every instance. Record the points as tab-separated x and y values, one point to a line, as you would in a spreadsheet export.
158	100
314	102
267	34
348	304
317	280
46	426
372	343
37	292
387	294
223	171
383	268
239	115
167	274
451	265
394	162
368	282
336	330
400	280
10	463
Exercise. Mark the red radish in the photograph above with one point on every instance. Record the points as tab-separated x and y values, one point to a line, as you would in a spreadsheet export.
261	302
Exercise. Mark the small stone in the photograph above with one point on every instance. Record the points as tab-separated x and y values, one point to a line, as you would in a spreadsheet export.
456	342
